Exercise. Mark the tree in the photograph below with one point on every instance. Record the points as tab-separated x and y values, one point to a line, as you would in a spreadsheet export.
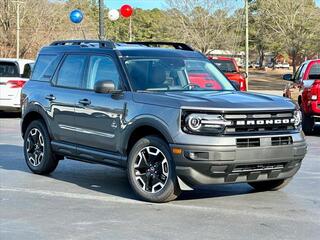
291	22
7	38
202	23
259	36
38	21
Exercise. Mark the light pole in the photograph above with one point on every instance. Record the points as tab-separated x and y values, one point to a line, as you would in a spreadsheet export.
101	20
18	3
247	41
130	29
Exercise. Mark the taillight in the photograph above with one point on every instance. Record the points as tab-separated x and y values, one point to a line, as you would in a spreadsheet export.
16	83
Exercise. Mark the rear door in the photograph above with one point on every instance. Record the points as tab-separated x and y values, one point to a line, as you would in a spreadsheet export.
63	97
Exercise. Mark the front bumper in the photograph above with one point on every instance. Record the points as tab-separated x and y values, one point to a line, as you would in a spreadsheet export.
199	165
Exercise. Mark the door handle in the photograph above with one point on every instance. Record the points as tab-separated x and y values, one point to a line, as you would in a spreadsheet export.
50	97
84	102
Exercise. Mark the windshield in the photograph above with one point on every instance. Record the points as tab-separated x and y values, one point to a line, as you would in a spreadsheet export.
174	74
9	69
225	65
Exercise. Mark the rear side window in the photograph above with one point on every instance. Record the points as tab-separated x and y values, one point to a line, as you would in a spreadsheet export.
314	72
71	72
45	67
9	69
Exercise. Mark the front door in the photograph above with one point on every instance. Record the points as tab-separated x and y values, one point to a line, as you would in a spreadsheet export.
295	86
99	116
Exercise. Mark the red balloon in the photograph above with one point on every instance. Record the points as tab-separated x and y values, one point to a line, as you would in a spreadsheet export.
126	11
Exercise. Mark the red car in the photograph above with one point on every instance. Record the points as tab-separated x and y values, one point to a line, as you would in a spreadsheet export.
305	89
230	68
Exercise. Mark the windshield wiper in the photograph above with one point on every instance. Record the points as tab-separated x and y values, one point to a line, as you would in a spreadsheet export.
191	86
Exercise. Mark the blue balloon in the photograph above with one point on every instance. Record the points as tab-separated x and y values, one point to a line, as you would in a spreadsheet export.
76	16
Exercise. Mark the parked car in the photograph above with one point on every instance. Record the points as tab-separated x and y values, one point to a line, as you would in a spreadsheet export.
135	107
230	68
257	65
304	88
14	73
278	65
270	65
285	66
282	66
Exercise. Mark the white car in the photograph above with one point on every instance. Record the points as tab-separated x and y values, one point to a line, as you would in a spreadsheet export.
282	65
285	65
13	75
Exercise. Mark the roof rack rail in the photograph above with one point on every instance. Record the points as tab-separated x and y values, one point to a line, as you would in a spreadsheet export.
176	45
101	43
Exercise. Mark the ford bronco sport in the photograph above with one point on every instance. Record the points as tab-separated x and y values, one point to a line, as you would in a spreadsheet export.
133	106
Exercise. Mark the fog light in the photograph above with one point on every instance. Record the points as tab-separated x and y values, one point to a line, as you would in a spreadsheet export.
202	156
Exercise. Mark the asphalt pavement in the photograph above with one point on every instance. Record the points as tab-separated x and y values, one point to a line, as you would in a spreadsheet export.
87	201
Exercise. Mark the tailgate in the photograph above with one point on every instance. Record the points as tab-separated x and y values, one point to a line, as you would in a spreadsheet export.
6	92
9	70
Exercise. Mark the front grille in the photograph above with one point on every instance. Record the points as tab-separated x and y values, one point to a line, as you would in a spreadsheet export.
248	142
259	122
278	141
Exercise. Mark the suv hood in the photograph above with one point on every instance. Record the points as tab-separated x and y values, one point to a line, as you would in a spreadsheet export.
224	100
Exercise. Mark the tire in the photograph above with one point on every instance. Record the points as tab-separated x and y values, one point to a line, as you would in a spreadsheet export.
37	149
308	124
151	170
272	185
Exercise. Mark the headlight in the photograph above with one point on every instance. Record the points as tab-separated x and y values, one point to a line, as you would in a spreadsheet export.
205	124
297	118
193	122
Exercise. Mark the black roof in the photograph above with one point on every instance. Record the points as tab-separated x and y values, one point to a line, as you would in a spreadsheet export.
132	49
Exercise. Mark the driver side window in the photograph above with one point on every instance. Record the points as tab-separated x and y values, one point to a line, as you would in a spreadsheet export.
299	73
102	68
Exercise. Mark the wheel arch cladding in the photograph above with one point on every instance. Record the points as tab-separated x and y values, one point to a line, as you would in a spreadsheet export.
30	117
146	127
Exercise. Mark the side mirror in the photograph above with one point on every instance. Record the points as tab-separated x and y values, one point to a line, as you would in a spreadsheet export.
287	77
244	74
105	86
235	84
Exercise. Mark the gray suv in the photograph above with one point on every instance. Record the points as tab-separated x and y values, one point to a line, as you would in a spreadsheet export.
166	115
